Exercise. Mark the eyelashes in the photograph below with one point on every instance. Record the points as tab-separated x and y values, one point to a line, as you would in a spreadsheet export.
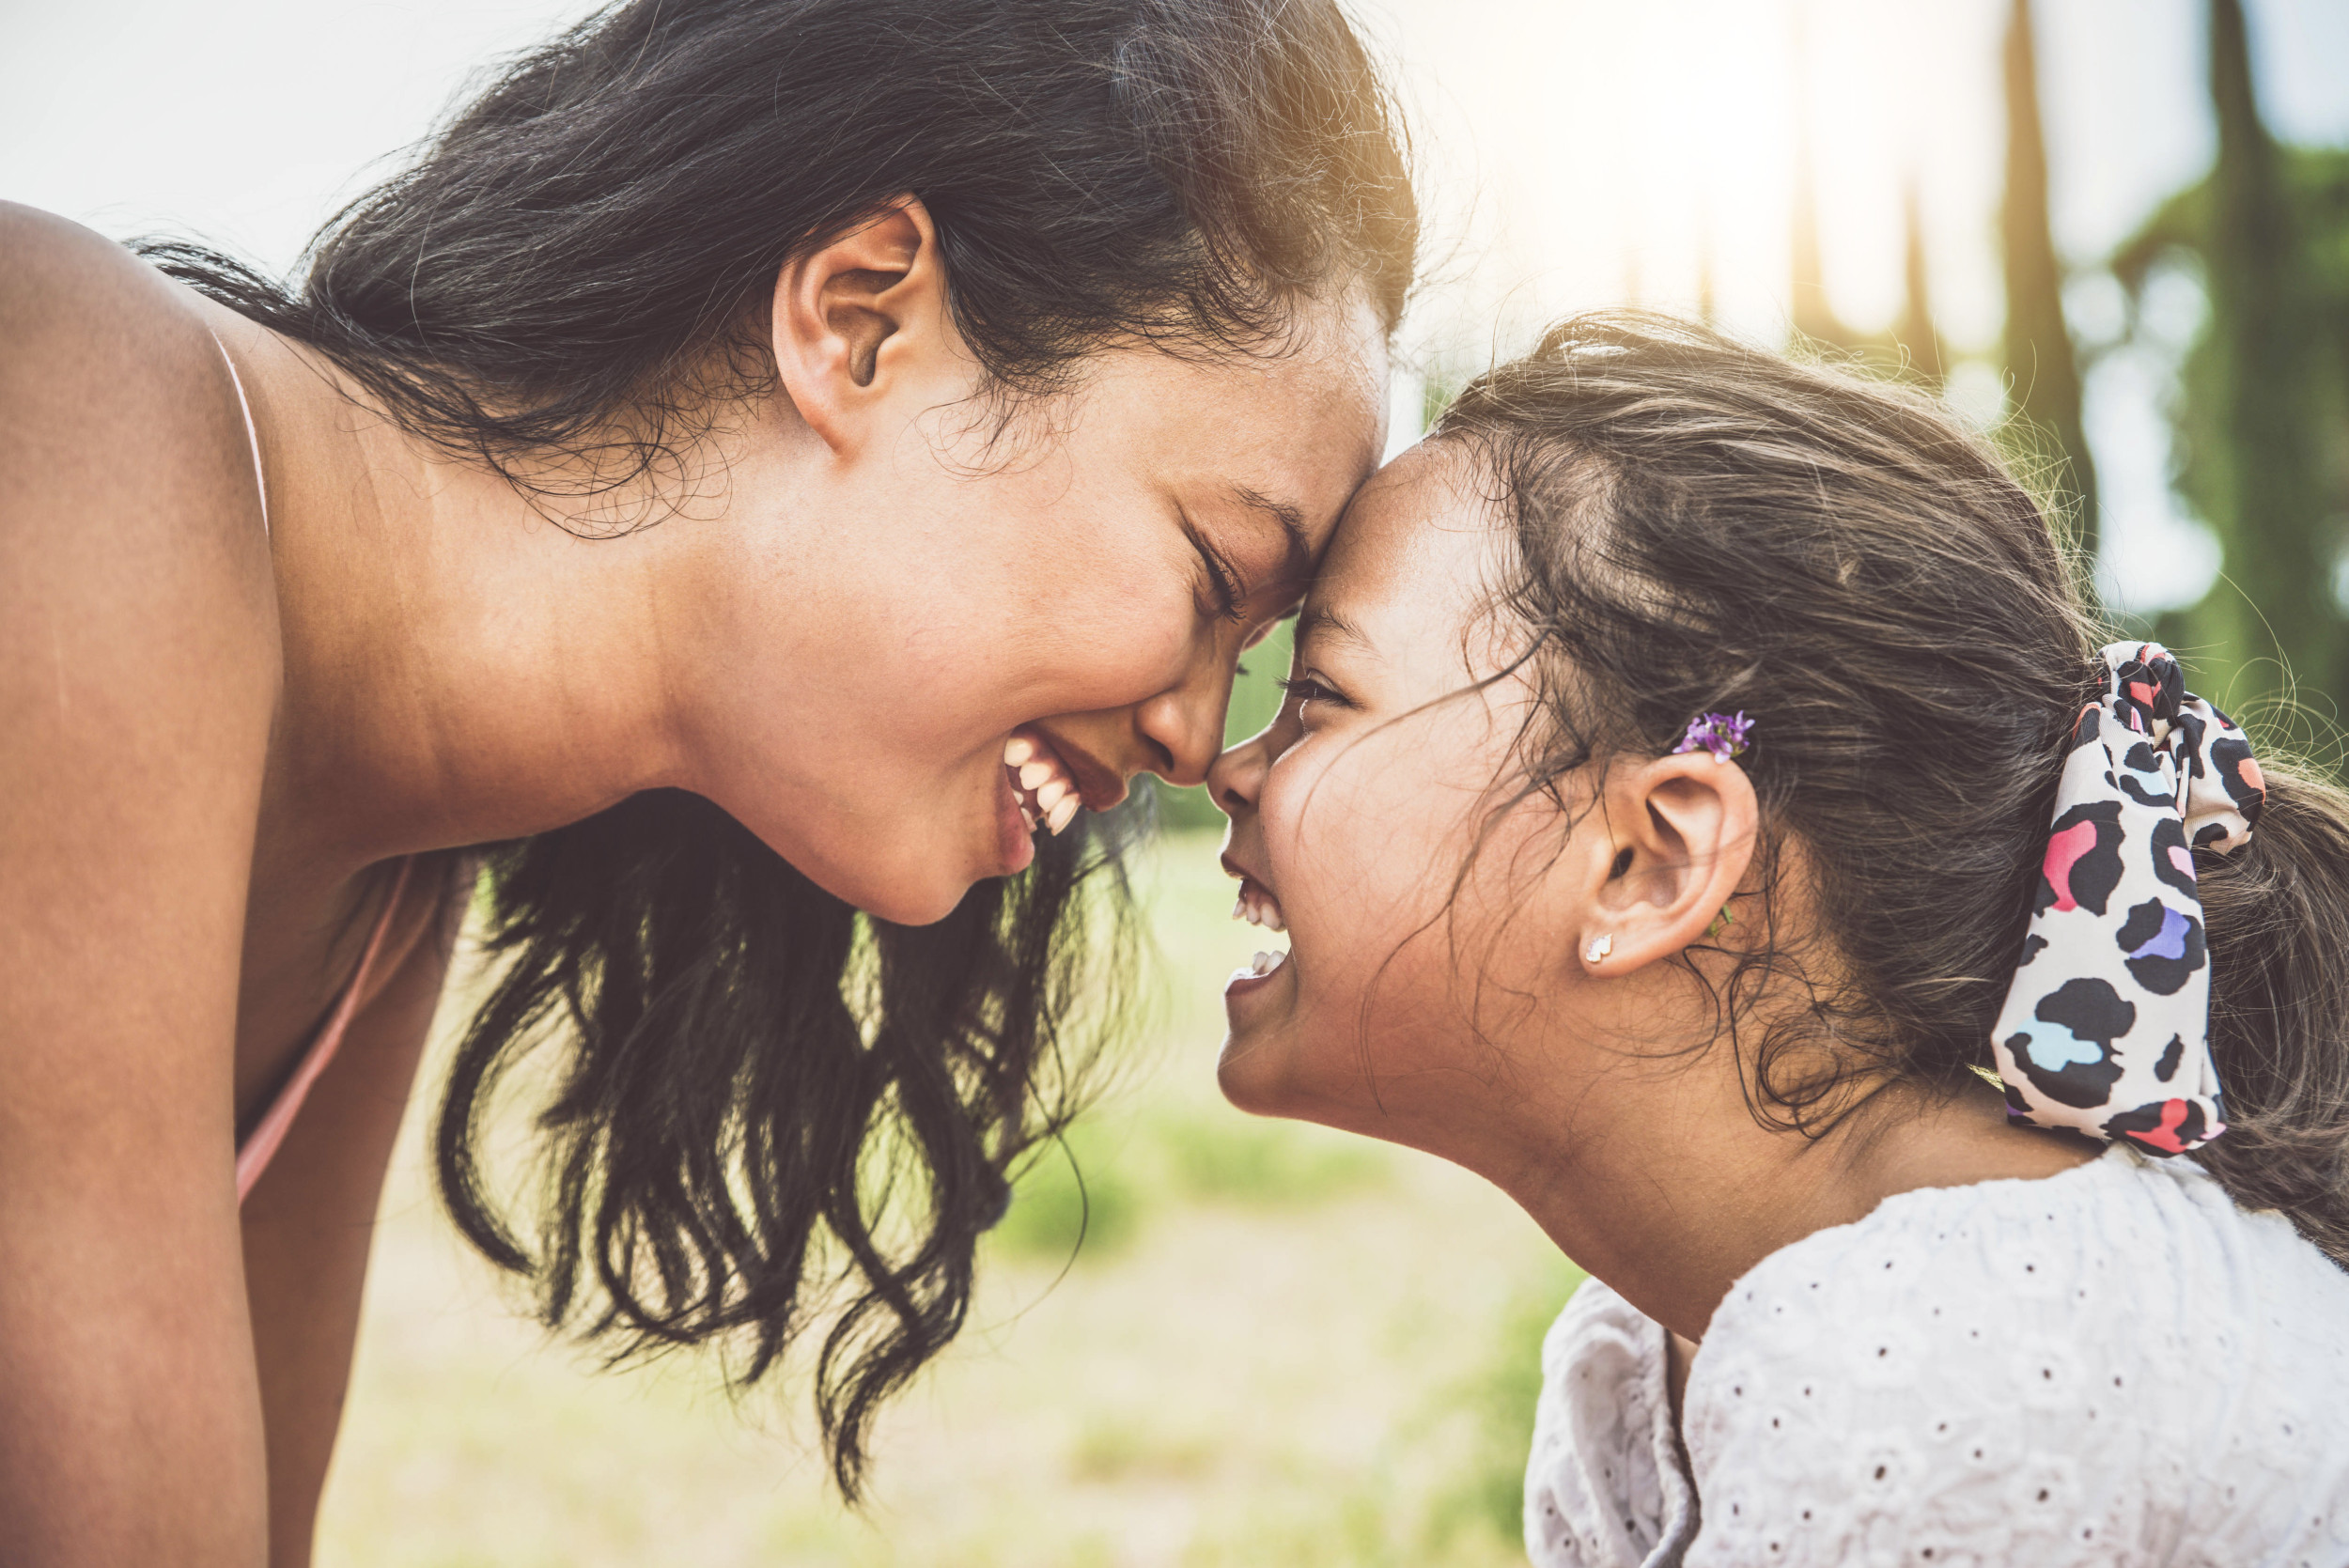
1228	589
1223	584
1307	689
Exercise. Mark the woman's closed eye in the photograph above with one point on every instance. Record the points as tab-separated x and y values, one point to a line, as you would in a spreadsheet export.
1227	592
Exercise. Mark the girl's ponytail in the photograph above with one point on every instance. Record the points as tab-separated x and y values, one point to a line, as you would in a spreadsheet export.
2277	912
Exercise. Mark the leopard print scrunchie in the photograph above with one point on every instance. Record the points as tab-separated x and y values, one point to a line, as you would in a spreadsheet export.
2105	1030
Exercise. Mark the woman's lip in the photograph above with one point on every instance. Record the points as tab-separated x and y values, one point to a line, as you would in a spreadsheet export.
1098	786
1015	840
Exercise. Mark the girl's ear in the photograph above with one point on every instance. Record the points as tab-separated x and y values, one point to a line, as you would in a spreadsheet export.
1681	832
864	320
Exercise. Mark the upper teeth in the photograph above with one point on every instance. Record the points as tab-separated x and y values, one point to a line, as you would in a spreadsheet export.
1258	908
1047	794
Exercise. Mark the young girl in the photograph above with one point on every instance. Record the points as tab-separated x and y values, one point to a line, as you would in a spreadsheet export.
1702	807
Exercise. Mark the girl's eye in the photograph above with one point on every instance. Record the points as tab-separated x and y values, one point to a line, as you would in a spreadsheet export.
1307	689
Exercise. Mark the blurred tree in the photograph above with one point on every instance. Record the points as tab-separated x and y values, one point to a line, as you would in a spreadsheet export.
1912	346
2043	374
1814	318
2263	415
1708	308
1923	354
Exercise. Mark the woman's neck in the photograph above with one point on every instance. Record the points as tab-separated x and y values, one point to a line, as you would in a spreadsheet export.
456	667
1655	1176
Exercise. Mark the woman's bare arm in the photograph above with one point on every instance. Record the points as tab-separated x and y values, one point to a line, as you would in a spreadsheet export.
310	1222
138	675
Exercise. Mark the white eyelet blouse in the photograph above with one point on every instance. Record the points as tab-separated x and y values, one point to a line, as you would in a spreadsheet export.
2115	1365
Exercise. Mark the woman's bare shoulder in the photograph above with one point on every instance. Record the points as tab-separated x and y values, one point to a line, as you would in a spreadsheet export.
131	518
138	644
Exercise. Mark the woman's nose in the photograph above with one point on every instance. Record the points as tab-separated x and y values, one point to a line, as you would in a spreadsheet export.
1185	727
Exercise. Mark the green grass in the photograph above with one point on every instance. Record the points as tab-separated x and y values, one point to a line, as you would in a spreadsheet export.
1277	1345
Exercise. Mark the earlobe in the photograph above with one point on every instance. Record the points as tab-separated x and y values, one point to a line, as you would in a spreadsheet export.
857	317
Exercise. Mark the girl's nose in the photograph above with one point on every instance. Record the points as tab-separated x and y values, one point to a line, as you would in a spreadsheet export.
1237	777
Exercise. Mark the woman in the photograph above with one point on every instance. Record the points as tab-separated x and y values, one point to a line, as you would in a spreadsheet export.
765	461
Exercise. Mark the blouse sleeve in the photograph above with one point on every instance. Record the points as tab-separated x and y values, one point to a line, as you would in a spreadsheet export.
1605	1486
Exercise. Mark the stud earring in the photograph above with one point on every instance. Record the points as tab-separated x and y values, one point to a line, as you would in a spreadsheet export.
1600	947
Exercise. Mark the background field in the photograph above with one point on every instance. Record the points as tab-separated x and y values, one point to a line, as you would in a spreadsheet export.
1277	1345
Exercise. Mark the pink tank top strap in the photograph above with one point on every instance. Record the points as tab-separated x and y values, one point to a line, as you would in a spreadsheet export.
253	1154
252	431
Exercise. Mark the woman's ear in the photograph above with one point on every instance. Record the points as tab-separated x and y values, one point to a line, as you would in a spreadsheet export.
1682	835
865	319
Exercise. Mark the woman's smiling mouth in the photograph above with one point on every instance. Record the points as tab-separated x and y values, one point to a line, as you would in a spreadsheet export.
1041	784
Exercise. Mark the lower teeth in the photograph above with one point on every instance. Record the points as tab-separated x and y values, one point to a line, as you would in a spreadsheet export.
1265	963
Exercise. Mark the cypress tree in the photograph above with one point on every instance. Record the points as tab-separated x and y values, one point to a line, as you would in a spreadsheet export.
1923	353
2265	491
2042	373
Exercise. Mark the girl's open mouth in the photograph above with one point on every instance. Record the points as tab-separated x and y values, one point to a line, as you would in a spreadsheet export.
1257	906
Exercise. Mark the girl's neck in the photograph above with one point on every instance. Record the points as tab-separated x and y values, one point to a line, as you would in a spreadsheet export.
458	668
1663	1185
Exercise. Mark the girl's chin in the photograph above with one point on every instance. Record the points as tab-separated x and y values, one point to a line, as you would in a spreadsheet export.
1261	1076
1253	1067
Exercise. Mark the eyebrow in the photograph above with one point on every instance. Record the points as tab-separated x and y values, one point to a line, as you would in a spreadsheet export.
1299	564
1319	620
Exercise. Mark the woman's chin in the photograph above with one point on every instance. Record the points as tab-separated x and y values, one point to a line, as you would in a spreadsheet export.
914	910
909	893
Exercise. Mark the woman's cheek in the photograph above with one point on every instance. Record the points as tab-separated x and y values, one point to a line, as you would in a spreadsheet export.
1124	654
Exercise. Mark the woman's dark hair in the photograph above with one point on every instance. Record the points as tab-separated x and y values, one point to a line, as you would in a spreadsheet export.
772	1104
580	264
1700	526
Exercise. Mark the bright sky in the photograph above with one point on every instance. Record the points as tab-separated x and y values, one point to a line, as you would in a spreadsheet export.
1583	151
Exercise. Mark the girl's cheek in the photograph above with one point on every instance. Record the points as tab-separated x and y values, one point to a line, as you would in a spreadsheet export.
1332	843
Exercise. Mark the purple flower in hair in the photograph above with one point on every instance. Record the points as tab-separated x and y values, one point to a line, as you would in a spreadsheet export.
1721	733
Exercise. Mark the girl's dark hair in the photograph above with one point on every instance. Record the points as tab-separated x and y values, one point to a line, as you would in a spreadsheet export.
773	1104
1702	527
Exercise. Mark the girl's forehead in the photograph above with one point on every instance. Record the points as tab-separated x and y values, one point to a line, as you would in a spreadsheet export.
1413	561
